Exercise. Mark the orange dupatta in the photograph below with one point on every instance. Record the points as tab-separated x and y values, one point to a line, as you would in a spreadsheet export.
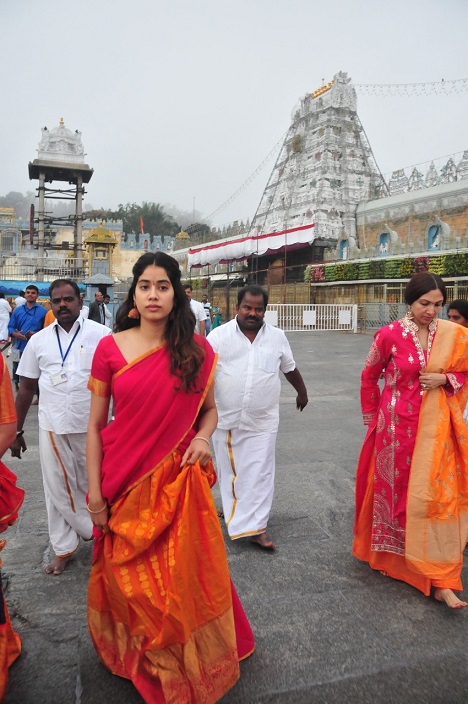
437	505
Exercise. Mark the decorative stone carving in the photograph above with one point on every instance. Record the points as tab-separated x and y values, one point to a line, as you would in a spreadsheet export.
60	144
432	177
437	234
448	173
416	180
398	183
462	168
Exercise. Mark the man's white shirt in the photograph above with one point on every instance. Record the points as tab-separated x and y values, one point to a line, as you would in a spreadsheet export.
247	382
199	313
64	407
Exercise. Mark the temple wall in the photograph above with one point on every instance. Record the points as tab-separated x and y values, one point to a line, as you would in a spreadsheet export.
408	216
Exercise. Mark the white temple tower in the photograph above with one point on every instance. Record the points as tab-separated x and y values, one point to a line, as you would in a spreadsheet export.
324	169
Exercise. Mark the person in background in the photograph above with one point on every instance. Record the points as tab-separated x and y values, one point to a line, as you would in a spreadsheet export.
217	318
84	309
20	300
49	319
162	611
60	358
412	482
457	312
11	498
5	310
24	323
197	310
207	306
96	309
107	314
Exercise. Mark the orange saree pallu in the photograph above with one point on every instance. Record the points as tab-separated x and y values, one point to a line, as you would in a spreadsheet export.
160	606
412	478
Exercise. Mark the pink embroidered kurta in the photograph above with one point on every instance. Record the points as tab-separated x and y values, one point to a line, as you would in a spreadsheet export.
396	354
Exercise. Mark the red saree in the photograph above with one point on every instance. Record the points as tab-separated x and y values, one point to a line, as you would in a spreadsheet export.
412	478
160	606
11	499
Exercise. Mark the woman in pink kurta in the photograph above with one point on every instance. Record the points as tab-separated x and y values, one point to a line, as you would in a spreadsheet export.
415	420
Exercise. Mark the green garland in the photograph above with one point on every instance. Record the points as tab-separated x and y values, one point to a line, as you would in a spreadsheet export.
404	268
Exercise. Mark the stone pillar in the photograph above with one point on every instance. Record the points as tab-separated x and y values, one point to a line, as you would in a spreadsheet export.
78	243
40	227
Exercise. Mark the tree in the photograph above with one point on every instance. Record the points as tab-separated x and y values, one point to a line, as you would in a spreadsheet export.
155	220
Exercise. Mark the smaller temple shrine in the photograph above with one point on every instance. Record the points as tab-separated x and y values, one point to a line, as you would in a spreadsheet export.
100	244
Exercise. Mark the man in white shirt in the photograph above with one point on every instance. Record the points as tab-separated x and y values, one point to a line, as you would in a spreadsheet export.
251	354
197	310
60	358
207	306
107	313
20	300
84	308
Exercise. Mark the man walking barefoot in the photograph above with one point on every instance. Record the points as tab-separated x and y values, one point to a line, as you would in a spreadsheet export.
60	358
251	354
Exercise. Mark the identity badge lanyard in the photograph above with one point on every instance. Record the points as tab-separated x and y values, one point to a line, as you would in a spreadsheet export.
61	376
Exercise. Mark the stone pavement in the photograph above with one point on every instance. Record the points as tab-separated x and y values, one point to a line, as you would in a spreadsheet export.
328	629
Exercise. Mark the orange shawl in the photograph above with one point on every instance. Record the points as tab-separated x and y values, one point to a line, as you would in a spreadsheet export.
437	506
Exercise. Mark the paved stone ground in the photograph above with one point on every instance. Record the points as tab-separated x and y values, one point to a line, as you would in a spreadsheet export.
328	629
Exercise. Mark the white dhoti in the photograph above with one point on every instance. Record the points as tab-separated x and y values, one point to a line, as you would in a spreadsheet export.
245	463
63	462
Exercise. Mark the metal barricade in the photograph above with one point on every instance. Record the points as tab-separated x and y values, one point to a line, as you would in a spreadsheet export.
373	316
302	316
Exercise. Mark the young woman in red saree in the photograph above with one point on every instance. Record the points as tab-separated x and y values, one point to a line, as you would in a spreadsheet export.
412	479
161	609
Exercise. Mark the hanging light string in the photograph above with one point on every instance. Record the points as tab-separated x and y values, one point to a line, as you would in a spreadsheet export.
385	90
249	180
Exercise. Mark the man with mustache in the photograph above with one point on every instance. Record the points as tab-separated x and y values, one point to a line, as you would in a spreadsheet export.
60	358
251	353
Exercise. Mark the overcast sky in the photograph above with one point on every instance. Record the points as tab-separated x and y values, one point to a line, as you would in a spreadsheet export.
183	99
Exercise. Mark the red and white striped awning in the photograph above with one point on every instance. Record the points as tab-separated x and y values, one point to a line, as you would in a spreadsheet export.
230	250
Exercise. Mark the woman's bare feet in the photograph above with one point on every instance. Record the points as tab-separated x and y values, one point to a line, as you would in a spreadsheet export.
57	565
451	599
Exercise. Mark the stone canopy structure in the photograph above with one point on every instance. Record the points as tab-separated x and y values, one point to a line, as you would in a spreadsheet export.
61	144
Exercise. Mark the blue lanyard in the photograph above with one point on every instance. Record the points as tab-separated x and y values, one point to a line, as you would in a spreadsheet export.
69	346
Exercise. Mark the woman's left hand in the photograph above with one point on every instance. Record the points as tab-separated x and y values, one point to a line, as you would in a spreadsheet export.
430	381
198	451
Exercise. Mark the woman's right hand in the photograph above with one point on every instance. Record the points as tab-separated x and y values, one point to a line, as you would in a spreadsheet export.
99	518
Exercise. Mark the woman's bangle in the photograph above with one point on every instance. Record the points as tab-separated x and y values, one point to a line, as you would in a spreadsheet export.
19	433
200	437
100	510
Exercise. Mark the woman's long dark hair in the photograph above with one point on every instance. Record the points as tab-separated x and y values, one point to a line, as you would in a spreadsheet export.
186	355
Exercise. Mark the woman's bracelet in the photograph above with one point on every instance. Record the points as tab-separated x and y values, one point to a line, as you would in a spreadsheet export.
100	510
200	437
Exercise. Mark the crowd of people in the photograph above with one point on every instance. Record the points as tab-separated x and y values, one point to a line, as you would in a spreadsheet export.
126	426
